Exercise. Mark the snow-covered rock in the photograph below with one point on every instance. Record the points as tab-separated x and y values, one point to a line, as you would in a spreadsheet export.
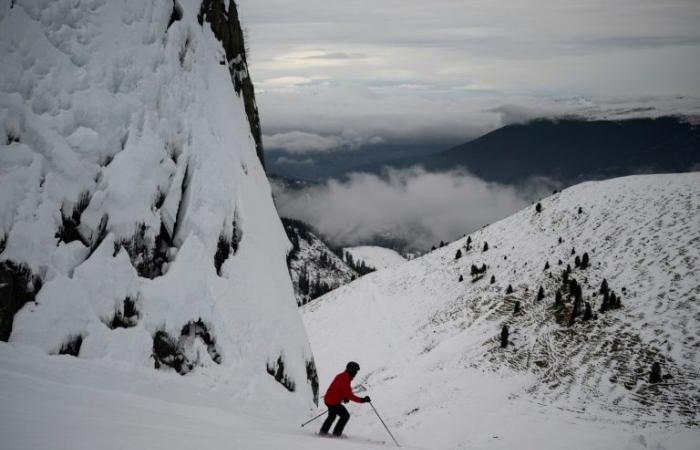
314	266
136	221
375	257
430	345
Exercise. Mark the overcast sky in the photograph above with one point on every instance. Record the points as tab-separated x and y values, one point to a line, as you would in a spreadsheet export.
382	69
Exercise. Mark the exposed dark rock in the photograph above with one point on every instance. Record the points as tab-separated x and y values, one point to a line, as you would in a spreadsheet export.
312	378
72	346
276	369
18	285
227	29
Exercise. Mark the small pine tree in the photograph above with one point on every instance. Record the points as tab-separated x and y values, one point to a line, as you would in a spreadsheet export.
469	240
483	268
458	254
559	263
577	261
580	210
504	336
605	304
486	246
588	312
493	279
516	308
603	286
575	311
546	265
655	374
461	278
564	277
442	244
561	240
538	208
568	268
573	251
540	294
509	289
474	270
584	260
432	249
558	298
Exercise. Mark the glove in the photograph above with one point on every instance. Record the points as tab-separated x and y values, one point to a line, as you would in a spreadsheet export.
366	399
345	400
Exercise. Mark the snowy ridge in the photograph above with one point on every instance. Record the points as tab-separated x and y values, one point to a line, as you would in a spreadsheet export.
136	222
429	344
375	257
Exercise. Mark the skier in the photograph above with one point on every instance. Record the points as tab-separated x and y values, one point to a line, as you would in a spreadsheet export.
340	391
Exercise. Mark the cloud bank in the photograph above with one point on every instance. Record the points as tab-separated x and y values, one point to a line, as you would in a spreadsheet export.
411	205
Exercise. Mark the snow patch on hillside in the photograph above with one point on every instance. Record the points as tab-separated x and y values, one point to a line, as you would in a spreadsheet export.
375	257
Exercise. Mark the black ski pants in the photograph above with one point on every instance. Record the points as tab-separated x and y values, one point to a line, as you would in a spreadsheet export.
333	411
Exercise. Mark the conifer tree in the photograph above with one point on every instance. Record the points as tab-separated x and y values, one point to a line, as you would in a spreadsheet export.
588	312
584	260
604	286
493	279
540	294
516	308
483	268
655	374
580	210
474	270
557	298
538	207
605	305
461	278
458	254
561	240
577	261
486	246
573	251
546	265
509	290
504	336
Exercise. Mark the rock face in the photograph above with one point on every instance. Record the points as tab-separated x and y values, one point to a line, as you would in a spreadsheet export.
314	266
227	29
136	222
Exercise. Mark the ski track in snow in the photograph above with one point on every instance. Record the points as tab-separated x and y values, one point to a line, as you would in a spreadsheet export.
429	346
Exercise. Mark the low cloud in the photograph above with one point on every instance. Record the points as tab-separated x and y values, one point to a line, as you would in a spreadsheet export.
300	142
411	205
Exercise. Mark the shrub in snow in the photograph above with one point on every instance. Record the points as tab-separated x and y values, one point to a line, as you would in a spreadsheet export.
125	317
181	353
17	286
71	346
68	231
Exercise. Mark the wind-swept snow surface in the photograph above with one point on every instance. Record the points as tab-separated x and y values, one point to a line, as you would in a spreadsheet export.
136	222
430	345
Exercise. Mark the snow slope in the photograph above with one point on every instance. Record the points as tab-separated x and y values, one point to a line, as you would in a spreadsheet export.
136	221
429	344
376	257
61	402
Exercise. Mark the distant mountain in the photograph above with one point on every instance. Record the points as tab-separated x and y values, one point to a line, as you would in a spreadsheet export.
573	150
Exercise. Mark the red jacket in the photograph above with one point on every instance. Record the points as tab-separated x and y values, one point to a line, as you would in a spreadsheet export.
340	389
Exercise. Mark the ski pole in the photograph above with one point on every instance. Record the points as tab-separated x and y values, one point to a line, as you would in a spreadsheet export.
309	421
387	428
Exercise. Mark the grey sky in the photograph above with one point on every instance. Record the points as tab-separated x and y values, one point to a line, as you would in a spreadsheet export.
392	68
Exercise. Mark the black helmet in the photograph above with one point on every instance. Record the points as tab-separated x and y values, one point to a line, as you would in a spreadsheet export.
352	367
